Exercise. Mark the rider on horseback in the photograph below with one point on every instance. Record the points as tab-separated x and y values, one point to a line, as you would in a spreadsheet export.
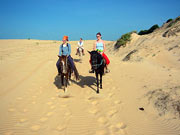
80	45
100	47
65	49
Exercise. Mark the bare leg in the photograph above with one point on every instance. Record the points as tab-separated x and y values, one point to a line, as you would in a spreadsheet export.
107	70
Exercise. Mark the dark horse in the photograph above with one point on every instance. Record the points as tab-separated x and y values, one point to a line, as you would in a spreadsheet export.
66	71
98	65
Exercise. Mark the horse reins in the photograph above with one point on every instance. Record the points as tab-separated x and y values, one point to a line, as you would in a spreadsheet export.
98	65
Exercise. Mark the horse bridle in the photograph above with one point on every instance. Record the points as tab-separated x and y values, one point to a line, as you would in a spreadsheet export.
64	64
98	65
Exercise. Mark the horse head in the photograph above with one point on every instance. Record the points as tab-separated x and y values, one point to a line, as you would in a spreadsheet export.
63	63
96	59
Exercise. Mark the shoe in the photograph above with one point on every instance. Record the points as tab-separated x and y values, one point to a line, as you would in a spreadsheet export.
91	71
107	71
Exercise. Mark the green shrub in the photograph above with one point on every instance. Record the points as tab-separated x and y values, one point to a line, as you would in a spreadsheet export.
144	32
154	27
173	22
123	40
169	20
134	31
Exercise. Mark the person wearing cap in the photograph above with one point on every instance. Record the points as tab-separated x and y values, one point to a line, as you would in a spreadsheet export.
65	49
100	47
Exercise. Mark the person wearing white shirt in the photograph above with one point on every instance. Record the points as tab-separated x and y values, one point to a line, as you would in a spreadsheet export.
80	45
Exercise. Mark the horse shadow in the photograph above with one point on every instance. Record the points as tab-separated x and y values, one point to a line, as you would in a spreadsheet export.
76	60
88	81
57	82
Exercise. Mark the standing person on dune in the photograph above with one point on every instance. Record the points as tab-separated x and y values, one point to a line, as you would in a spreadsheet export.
100	47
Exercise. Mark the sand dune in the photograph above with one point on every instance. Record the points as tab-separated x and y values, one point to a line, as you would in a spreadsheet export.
33	103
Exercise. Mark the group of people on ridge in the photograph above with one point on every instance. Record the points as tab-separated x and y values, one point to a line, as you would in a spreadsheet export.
65	49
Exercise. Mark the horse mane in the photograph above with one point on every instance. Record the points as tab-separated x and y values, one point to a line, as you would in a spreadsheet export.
75	69
99	56
99	65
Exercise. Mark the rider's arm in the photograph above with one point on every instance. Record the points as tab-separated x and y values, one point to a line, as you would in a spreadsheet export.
69	50
78	44
60	50
104	47
94	47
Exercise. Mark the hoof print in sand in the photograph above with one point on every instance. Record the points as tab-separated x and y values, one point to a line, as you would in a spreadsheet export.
52	107
111	113
121	125
49	114
60	128
35	128
94	102
11	109
113	129
19	98
102	120
22	120
24	110
93	110
43	119
49	103
117	102
9	133
102	132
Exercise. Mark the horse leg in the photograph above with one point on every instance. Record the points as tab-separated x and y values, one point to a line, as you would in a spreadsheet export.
62	80
101	81
97	79
66	81
69	76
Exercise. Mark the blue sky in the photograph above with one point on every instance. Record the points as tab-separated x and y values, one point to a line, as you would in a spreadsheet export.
51	19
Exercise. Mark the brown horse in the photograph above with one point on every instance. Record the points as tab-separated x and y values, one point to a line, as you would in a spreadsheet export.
66	71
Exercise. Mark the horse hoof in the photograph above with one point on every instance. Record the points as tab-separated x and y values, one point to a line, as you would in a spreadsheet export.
69	82
65	89
97	92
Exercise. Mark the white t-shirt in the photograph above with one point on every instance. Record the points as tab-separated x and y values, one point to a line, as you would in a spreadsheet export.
80	44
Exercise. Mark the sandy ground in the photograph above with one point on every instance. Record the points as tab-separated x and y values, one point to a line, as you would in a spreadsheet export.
33	103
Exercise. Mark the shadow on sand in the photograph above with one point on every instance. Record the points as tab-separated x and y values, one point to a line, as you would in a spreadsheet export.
89	81
76	60
57	82
86	81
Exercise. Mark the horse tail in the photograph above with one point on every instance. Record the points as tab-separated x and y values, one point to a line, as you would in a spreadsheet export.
76	73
